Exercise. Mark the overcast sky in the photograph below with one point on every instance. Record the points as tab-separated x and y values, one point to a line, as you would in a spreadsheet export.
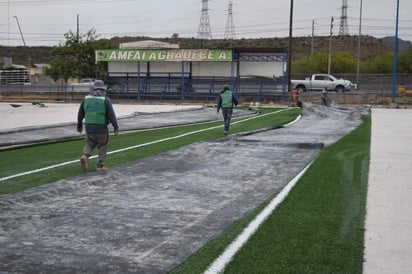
44	22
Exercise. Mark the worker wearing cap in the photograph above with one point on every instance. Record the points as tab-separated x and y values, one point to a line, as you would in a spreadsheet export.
97	111
226	101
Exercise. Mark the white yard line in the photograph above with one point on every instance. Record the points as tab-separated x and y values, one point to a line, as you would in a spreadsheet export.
134	147
218	266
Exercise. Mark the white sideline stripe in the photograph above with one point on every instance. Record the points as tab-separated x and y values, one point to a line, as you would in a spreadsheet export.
190	133
133	147
294	121
218	266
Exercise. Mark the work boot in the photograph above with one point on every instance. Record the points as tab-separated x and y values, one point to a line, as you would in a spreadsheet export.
101	168
84	162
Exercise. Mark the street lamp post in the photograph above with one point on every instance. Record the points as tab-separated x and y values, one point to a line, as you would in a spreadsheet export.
395	56
290	47
359	45
330	45
21	33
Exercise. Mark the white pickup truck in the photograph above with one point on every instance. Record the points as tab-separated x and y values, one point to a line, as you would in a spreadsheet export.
321	81
83	85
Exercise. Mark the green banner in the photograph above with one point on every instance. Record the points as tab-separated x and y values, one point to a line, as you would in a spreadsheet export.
164	55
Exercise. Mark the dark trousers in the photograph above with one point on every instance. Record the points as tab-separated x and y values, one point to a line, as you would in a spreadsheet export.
324	101
227	115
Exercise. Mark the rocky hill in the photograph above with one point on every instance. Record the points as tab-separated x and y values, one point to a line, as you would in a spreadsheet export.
370	46
403	45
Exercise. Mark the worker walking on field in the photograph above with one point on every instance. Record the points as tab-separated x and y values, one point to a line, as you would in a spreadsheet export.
226	101
324	97
296	98
97	111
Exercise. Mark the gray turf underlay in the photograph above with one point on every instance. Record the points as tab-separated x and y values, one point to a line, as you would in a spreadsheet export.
150	215
136	121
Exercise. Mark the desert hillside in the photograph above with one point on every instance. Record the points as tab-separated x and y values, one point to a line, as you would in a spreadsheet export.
370	46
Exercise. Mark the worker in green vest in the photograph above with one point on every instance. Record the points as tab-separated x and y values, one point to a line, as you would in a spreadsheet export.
226	101
97	111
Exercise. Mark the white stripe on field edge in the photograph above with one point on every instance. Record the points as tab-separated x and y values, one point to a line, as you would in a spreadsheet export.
138	146
218	266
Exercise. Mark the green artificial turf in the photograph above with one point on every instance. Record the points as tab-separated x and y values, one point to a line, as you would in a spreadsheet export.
319	228
28	158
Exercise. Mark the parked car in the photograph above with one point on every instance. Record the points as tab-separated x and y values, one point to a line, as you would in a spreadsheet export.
83	84
321	81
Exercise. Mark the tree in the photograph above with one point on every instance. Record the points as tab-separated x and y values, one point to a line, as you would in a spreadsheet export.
341	62
76	57
311	64
384	63
379	64
405	61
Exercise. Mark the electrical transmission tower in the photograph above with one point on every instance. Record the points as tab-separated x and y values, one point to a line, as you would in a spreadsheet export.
230	26
204	31
344	30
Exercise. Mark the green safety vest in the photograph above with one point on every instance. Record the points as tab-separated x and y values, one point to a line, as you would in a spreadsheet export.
227	99
95	110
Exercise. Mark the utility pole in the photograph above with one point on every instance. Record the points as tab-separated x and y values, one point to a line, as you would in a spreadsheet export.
8	23
312	50
78	29
359	45
330	45
78	45
290	47
395	55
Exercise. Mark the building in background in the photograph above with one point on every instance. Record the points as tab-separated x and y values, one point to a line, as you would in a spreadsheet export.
11	74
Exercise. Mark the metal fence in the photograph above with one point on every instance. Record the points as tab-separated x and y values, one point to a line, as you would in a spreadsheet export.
373	88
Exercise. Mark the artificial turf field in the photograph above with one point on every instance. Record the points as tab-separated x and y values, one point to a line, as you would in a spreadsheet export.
318	228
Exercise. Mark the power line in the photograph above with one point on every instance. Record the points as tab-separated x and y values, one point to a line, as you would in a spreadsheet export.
248	28
58	3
